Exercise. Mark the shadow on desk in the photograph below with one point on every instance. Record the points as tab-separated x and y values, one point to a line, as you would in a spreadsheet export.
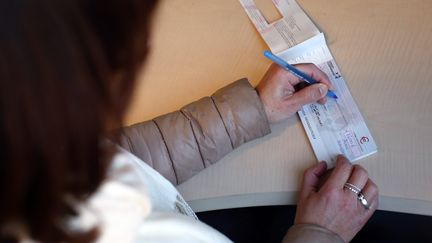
269	224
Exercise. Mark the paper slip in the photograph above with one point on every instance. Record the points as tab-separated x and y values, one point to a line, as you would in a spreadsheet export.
338	126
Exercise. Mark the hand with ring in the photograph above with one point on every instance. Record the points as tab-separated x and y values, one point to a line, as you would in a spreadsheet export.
344	202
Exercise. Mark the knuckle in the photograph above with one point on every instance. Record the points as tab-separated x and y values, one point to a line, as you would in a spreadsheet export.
374	188
342	159
309	171
362	172
314	94
346	165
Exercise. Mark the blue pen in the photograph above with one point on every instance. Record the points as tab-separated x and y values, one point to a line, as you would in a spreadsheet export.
299	74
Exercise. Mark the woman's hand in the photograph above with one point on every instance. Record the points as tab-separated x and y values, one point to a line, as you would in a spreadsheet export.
333	205
279	97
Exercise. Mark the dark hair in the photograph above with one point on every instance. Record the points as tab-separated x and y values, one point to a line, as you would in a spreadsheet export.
67	69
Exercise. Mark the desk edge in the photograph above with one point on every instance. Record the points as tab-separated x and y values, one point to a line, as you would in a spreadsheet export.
386	203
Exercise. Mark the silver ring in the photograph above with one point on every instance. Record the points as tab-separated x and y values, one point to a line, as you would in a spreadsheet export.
352	188
360	197
363	200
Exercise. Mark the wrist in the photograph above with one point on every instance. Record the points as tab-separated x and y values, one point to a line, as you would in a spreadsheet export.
311	233
269	112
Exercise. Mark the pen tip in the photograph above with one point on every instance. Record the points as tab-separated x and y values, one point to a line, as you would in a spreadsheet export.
333	95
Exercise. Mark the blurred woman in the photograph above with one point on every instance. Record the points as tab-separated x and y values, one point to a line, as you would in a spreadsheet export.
67	71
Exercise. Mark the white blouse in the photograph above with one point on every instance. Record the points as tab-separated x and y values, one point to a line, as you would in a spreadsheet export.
137	204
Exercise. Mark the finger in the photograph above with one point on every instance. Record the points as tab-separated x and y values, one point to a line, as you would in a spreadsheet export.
308	95
282	74
359	177
340	174
371	194
311	179
322	101
316	74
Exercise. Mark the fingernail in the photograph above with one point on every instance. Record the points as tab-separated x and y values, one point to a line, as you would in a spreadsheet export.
323	89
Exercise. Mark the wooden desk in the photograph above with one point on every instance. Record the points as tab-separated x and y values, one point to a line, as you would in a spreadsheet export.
384	49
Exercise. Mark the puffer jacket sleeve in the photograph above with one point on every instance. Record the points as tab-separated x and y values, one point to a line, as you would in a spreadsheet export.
309	233
180	144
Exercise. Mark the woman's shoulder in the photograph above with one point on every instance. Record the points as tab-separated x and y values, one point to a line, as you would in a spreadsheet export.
136	204
173	227
125	215
116	209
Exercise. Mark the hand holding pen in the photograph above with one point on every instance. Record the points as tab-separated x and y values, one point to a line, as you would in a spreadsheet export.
281	100
296	72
